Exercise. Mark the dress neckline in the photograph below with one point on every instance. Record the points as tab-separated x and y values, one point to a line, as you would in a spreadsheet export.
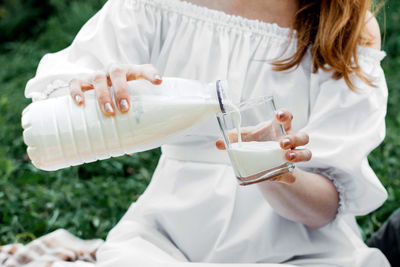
221	18
241	24
240	19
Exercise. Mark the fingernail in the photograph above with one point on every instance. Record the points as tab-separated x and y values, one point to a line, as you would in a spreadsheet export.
285	142
78	99
292	155
123	104
157	77
108	108
280	114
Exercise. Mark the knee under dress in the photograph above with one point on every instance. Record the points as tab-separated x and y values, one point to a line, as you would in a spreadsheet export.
194	212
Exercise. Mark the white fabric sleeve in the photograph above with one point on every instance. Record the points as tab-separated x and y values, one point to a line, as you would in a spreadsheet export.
344	127
121	32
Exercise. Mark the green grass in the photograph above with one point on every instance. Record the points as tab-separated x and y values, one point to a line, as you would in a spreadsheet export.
88	200
385	160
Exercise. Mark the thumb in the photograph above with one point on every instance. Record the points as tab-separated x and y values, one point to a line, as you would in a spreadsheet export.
220	144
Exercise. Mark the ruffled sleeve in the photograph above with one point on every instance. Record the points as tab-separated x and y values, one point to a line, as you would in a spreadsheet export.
344	127
122	31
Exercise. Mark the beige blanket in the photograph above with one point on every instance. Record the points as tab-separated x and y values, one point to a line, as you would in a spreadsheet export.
49	250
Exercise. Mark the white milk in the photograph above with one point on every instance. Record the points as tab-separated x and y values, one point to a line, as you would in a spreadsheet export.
253	158
60	134
250	158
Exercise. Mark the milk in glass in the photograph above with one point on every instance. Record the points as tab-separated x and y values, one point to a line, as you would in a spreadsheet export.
254	160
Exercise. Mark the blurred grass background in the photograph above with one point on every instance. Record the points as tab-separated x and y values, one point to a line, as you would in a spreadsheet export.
88	200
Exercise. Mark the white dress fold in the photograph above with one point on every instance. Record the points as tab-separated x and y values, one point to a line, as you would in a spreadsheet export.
194	212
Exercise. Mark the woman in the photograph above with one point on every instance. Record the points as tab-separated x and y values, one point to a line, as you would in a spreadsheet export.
326	73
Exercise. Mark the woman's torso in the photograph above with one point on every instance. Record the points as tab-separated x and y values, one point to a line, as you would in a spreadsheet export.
193	198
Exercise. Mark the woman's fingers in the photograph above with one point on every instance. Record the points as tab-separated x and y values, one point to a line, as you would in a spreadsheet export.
120	87
284	117
245	133
119	74
86	86
146	71
117	77
291	141
232	139
220	144
294	140
103	94
297	155
76	91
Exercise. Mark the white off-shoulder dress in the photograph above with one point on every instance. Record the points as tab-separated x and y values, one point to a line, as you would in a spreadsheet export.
194	212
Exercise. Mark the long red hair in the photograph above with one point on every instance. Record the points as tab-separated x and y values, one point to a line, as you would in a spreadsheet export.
334	28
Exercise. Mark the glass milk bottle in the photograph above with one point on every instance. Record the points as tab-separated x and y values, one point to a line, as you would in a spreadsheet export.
60	133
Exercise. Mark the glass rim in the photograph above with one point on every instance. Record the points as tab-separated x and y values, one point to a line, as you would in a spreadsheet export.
249	104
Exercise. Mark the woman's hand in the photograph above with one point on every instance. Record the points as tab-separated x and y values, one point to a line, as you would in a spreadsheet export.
300	196
117	76
290	142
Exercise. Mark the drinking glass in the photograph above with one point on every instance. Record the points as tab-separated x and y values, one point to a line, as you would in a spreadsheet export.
258	156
